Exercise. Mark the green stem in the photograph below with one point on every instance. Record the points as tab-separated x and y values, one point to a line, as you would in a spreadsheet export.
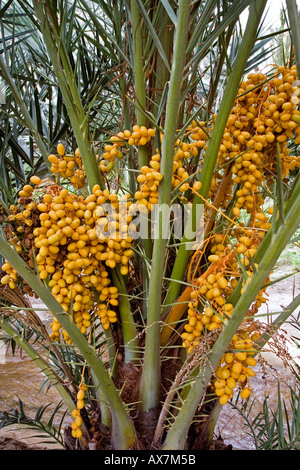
139	77
111	350
141	99
123	435
104	406
162	73
177	435
151	367
66	79
129	330
294	19
207	172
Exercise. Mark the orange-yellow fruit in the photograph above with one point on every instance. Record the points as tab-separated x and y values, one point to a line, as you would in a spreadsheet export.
60	149
35	180
245	393
224	399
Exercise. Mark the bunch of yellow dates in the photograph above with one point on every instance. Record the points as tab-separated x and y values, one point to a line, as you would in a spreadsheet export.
72	253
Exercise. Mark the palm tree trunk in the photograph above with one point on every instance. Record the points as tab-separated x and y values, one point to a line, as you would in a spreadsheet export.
151	366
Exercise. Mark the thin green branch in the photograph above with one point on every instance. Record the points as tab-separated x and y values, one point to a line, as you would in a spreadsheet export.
139	76
129	330
294	19
141	106
211	154
151	367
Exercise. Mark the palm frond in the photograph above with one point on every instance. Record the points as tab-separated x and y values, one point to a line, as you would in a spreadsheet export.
46	425
273	428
